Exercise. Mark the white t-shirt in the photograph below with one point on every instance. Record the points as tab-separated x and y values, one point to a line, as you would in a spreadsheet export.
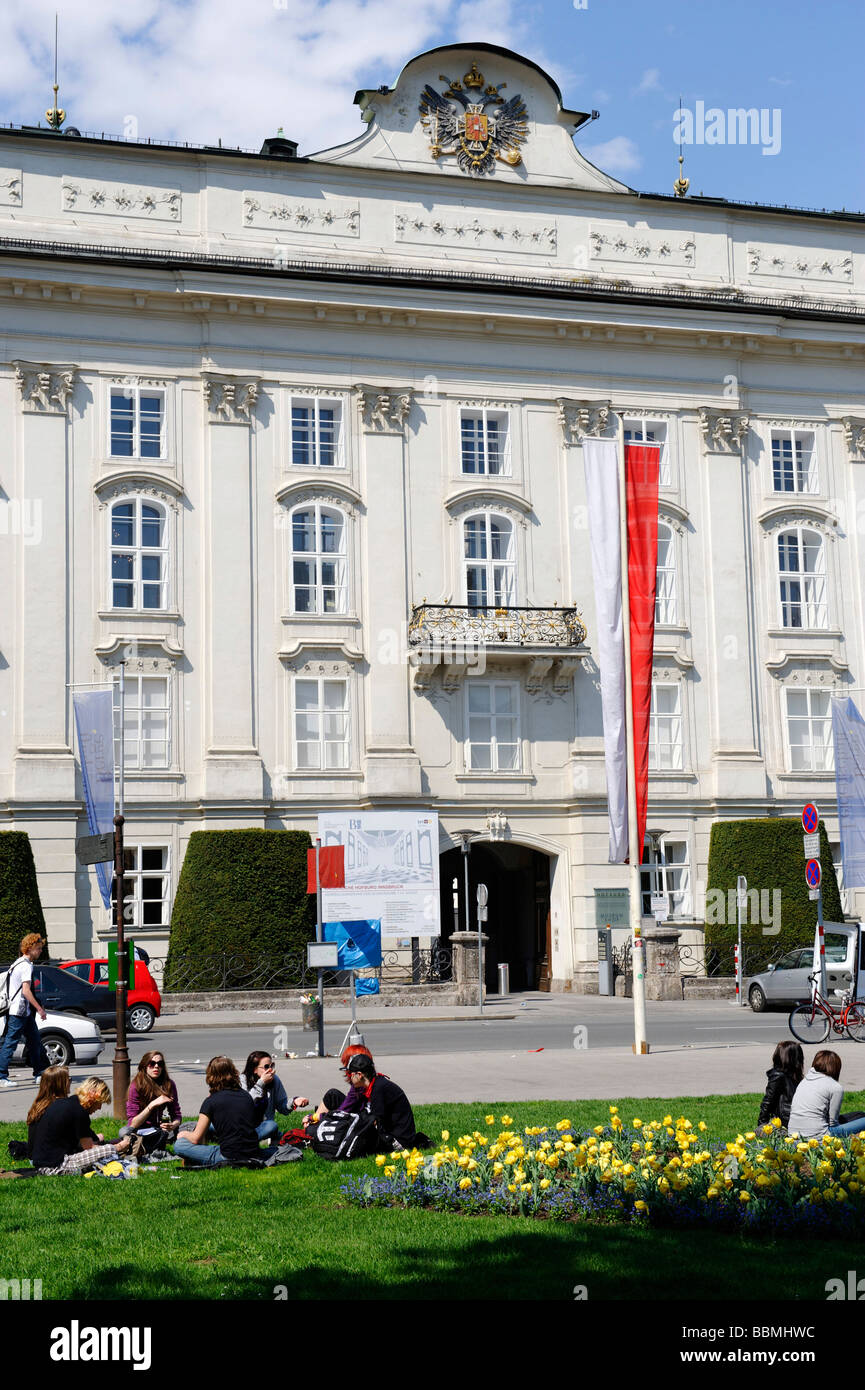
20	974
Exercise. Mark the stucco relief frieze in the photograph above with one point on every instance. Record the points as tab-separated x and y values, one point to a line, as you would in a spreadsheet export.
584	419
383	410
451	231
335	217
121	200
854	438
724	431
44	388
801	263
815	668
643	247
131	484
230	400
10	187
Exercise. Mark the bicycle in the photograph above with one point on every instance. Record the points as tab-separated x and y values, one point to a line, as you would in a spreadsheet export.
810	1023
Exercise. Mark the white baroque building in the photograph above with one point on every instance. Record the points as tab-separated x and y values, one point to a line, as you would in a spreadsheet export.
283	433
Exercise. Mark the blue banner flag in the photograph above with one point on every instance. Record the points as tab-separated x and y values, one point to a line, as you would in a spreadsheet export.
94	723
848	734
367	984
359	943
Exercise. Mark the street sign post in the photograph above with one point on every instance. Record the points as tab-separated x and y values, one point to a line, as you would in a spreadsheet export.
483	897
813	878
813	873
741	900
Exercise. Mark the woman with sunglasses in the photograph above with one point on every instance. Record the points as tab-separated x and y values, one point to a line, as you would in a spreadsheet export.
341	1100
152	1104
259	1078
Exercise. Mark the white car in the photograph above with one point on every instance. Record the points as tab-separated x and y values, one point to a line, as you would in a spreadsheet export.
67	1038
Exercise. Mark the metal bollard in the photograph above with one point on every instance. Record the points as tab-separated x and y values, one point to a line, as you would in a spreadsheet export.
504	979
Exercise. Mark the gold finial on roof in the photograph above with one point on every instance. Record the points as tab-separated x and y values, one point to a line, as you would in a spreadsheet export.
55	116
681	185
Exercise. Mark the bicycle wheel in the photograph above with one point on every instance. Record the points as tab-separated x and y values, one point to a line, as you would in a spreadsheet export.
855	1021
808	1024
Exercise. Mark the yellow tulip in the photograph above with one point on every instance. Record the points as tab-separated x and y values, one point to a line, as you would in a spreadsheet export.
465	1182
744	1196
446	1134
490	1119
544	1184
506	1120
640	1206
637	1124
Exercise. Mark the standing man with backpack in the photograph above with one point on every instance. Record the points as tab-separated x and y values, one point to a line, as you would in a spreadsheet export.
18	1009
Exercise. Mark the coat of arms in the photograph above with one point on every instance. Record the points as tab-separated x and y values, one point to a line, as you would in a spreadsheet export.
457	122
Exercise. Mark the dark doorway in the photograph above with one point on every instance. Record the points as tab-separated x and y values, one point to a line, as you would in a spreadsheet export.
518	927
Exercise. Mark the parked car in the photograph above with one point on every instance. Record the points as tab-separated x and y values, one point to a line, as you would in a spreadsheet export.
67	1038
786	982
144	1002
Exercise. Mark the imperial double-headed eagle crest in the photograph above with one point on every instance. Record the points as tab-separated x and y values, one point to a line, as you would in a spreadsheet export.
457	122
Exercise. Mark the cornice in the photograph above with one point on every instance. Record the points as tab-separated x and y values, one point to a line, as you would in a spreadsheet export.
329	646
322	489
793	512
485	495
110	646
137	480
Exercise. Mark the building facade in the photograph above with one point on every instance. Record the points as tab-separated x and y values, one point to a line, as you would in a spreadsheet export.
298	441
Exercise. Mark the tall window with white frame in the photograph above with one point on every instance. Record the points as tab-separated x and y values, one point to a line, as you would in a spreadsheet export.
808	721
665	594
490	567
137	422
794	461
802	579
318	560
316	433
146	722
485	445
139	555
652	432
665	870
321	724
666	745
146	887
493	726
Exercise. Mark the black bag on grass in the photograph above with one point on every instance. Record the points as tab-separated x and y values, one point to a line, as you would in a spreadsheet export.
345	1134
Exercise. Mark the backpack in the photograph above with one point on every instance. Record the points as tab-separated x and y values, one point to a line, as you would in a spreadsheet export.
345	1134
5	1001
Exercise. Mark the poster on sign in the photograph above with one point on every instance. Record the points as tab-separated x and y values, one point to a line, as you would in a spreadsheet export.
391	870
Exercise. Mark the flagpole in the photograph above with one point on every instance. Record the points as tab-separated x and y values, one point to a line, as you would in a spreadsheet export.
635	851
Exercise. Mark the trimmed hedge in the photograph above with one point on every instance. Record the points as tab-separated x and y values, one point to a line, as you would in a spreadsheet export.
241	892
20	905
769	853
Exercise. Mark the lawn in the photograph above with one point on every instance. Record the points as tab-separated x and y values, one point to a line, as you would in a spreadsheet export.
221	1234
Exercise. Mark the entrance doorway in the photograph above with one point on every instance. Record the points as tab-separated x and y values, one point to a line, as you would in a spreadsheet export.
518	924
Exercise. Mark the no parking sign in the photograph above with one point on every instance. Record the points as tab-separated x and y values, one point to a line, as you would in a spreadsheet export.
813	873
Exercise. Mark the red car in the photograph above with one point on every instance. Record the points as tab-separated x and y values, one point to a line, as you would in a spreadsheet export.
144	1002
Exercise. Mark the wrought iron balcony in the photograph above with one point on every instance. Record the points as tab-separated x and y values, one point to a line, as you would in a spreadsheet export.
464	640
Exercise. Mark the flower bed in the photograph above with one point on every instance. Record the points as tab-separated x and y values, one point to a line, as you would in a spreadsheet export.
661	1172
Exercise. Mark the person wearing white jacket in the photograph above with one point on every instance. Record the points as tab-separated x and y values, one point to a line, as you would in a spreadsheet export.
816	1107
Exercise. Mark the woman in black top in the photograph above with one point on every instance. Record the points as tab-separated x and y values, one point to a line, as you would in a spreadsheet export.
59	1137
231	1112
787	1070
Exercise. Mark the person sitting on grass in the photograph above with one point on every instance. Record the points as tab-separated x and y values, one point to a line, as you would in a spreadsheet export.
388	1104
59	1137
152	1104
787	1070
335	1099
260	1081
816	1106
231	1111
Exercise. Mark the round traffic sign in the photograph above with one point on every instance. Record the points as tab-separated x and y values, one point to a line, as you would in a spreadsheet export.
813	873
810	818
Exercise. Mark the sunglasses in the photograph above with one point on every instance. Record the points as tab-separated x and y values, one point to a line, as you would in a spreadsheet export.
160	1065
268	1066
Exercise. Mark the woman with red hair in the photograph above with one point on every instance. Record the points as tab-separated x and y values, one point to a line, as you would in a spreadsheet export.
341	1100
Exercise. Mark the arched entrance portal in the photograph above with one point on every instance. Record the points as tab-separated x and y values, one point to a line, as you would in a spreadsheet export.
518	926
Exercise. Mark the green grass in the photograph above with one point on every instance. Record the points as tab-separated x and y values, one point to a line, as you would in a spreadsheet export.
238	1235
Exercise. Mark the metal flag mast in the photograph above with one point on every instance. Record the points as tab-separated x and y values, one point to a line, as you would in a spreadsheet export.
120	1068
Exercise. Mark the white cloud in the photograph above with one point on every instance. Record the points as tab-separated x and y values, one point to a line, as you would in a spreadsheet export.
782	81
617	156
650	81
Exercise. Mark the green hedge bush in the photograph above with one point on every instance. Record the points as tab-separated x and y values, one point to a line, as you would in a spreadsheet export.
20	905
769	853
241	894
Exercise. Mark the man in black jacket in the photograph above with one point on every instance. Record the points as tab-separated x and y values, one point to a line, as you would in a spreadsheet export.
389	1106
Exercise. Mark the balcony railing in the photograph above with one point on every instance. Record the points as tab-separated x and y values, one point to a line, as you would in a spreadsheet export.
435	625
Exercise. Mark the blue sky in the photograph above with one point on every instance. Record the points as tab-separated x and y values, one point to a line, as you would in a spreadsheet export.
201	70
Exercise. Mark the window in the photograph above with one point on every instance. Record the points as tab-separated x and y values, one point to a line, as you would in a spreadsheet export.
82	970
485	442
146	886
146	722
138	555
493	742
315	433
794	467
318	560
651	432
137	422
665	597
321	731
665	729
665	869
489	561
809	731
802	579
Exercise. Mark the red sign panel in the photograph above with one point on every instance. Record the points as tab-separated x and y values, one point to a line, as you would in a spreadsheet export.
813	873
810	818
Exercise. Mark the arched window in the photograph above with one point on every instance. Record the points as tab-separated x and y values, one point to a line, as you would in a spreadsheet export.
318	560
665	597
802	578
139	554
488	542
